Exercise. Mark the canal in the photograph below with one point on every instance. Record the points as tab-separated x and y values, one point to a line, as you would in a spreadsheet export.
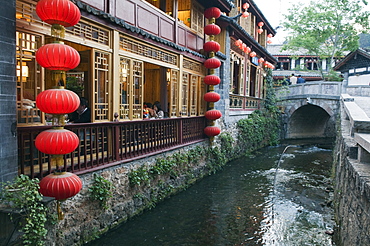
255	200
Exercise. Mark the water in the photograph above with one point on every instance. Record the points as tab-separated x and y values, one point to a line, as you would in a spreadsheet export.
240	205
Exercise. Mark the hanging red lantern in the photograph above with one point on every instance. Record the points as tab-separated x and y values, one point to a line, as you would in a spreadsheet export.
252	54
212	12
238	43
211	46
212	80
245	14
212	131
62	12
57	101
269	41
247	50
212	63
245	5
260	31
57	56
212	29
269	35
57	141
261	60
213	114
211	97
61	186
260	24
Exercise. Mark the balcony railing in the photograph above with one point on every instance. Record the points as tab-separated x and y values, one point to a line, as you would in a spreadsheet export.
244	102
107	144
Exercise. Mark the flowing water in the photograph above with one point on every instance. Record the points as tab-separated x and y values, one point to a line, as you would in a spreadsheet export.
257	200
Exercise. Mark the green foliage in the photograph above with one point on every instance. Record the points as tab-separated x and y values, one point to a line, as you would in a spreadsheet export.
24	194
101	190
139	176
326	28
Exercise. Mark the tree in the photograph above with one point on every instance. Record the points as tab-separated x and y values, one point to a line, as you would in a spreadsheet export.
326	29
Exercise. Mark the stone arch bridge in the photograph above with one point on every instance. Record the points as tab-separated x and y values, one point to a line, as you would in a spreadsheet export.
310	110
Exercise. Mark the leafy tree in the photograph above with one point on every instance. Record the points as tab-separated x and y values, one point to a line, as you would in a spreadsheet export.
327	29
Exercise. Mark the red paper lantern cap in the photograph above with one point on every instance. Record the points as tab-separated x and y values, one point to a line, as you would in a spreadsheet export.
212	63
212	12
261	60
62	12
60	186
260	24
56	141
238	43
212	131
213	114
245	5
211	97
260	31
212	29
269	35
211	46
57	56
212	80
247	49
57	101
252	54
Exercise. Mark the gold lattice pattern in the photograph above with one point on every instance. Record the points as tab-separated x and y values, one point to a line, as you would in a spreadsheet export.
147	51
193	66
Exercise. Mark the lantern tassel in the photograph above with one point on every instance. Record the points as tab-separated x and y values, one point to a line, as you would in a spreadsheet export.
58	31
60	212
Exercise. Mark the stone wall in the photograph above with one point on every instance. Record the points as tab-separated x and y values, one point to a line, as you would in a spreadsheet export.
8	153
351	190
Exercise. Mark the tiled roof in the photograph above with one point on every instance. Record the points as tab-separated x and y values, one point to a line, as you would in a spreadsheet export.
276	50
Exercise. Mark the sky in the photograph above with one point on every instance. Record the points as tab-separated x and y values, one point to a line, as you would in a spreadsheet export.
274	10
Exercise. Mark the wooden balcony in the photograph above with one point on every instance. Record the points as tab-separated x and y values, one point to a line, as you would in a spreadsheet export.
244	102
107	144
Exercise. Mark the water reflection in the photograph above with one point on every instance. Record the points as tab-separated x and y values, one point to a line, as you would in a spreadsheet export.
241	206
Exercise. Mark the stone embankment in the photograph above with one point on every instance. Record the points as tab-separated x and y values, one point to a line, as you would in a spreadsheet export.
352	172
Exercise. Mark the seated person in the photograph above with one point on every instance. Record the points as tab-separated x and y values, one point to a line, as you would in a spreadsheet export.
82	114
148	112
158	112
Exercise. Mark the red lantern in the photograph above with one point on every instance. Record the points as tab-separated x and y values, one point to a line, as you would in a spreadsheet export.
211	97
61	186
211	46
213	114
212	29
269	35
269	41
212	63
247	49
57	56
57	101
212	131
260	24
57	141
245	14
261	60
212	80
252	54
245	5
238	43
62	12
212	12
260	31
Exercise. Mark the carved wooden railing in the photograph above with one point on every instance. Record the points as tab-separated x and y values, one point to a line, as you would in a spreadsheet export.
244	102
106	144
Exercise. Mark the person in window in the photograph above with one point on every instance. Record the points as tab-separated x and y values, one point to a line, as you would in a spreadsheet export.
82	114
158	112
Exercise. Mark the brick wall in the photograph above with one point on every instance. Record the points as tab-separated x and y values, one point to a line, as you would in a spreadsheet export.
8	147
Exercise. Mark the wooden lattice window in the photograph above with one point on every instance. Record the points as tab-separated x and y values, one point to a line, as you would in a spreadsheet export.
193	95
89	32
29	80
101	86
147	51
131	85
184	94
202	105
174	94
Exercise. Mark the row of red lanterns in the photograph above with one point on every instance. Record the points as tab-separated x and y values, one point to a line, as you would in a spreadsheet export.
59	58
212	47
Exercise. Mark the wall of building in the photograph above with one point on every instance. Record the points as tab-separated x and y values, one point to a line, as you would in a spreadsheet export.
8	153
351	190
